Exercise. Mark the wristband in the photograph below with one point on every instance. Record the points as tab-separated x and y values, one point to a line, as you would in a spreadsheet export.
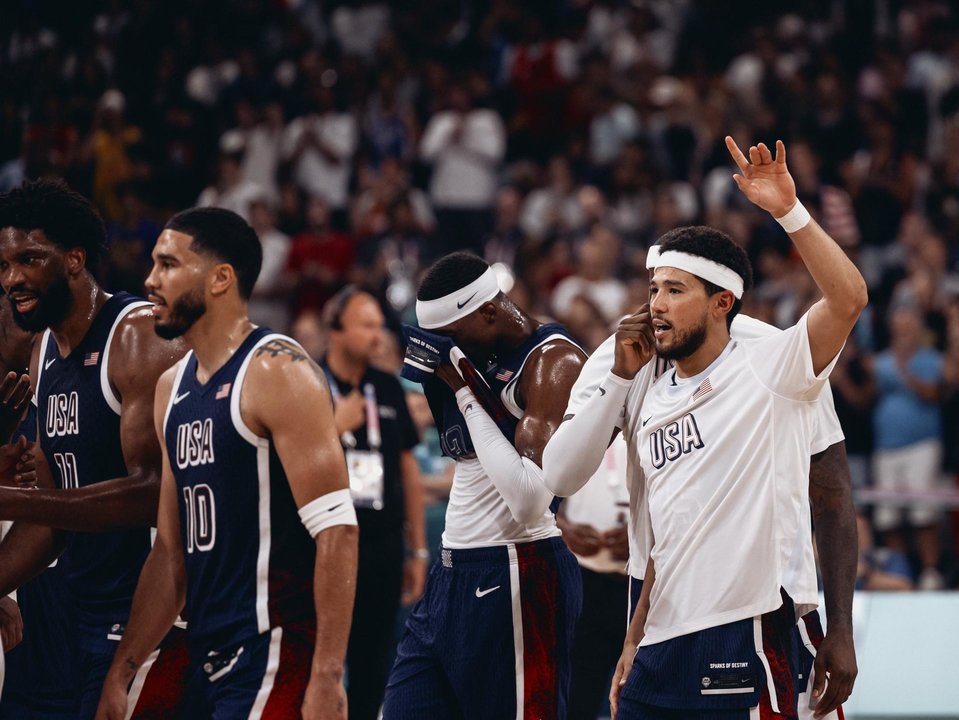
796	219
420	553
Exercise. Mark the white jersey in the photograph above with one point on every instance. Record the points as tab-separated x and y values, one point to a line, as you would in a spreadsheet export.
477	515
725	455
800	578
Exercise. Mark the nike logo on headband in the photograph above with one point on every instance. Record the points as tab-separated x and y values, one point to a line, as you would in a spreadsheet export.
460	306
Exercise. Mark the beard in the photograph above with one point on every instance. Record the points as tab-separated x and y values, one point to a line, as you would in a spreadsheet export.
183	314
685	343
52	308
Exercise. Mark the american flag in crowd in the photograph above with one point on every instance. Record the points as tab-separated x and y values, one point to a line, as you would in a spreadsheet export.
222	391
91	358
504	375
704	387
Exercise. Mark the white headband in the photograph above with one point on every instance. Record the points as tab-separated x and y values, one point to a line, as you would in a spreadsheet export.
431	314
714	272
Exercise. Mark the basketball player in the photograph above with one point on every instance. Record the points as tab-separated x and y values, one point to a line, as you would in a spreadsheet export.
250	451
572	453
723	443
38	682
492	634
94	370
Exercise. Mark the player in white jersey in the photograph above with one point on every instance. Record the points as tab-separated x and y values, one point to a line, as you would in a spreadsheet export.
573	453
723	442
490	637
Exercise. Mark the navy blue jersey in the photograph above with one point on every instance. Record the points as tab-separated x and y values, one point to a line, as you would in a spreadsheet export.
78	418
454	435
41	672
249	560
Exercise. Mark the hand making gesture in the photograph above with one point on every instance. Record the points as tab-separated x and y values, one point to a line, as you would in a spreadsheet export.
764	180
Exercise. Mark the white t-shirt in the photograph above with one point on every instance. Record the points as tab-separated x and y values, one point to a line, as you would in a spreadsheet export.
464	171
800	576
236	198
608	294
725	455
312	171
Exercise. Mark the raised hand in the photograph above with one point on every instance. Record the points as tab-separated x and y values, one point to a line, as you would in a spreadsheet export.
634	343
764	180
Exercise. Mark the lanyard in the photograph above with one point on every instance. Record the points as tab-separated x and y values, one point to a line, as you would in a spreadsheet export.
374	437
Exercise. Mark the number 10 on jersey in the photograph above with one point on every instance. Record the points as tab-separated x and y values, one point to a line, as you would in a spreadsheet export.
200	512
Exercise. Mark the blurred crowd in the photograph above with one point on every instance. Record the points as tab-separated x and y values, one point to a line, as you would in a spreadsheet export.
558	138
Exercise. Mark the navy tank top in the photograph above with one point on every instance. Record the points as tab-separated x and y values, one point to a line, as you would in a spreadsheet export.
78	418
249	560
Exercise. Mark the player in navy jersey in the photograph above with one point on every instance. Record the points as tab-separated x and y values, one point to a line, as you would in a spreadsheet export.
491	636
38	682
256	539
93	370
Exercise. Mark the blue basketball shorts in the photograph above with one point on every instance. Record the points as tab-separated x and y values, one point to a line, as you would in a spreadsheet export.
262	678
744	670
490	639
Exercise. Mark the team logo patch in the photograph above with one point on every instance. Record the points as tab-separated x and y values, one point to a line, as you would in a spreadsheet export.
728	678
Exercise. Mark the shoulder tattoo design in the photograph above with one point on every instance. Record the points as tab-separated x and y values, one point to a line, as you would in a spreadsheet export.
282	348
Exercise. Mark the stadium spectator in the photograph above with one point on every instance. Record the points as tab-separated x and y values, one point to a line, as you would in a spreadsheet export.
908	430
320	259
320	144
880	568
232	191
269	304
465	145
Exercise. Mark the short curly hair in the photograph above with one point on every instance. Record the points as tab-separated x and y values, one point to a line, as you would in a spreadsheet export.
451	273
67	218
714	245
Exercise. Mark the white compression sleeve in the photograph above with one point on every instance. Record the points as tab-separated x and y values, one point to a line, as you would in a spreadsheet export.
576	450
517	479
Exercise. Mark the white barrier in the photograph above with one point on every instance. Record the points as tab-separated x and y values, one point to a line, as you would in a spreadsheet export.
907	646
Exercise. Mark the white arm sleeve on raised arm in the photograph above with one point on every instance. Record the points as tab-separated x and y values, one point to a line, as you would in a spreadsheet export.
517	479
576	450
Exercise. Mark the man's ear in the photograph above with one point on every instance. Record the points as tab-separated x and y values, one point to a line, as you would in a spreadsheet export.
724	301
223	278
489	312
76	260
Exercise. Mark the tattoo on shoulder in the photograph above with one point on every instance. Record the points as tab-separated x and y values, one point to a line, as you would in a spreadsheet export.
282	348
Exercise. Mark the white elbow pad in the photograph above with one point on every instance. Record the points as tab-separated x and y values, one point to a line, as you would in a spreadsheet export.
326	511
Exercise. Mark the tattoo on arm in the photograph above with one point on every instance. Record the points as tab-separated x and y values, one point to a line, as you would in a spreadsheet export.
132	664
282	348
